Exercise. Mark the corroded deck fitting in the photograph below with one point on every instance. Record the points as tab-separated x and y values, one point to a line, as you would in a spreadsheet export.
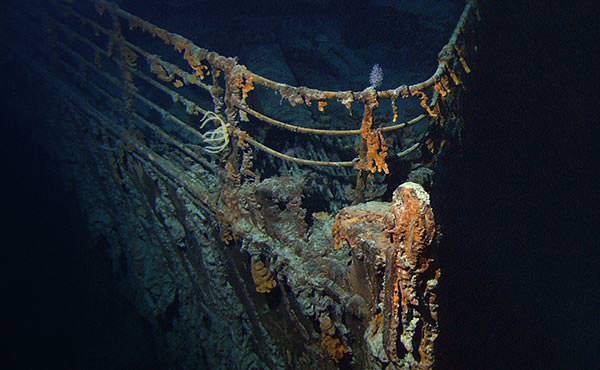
223	263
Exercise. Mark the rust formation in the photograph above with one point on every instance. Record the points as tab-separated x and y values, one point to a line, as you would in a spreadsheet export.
394	251
410	307
239	82
263	279
294	270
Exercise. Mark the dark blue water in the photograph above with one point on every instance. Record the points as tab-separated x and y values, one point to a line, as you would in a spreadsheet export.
61	307
522	259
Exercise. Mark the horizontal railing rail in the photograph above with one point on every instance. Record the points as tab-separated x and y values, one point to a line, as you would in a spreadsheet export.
232	83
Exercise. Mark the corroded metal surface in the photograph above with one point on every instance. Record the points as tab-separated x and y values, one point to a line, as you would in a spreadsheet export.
235	266
394	270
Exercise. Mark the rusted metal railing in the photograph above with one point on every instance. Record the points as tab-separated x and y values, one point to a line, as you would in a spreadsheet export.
232	82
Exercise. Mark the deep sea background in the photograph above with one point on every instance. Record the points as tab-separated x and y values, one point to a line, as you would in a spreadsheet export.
521	261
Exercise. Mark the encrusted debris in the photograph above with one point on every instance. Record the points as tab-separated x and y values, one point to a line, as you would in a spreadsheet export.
230	254
393	246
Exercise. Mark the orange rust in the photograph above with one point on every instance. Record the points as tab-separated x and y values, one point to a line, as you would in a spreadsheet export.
409	278
242	136
442	86
342	227
377	148
462	59
378	323
263	279
425	104
430	144
194	59
334	347
160	72
322	105
394	110
247	87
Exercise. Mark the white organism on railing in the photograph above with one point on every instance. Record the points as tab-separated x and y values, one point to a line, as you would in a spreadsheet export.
216	139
